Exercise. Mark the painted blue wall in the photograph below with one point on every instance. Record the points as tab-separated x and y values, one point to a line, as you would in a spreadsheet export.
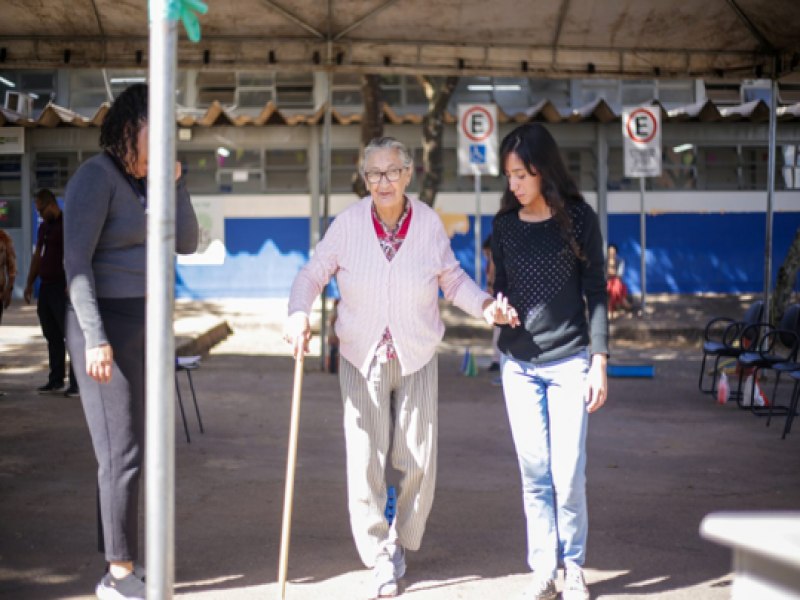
262	258
686	253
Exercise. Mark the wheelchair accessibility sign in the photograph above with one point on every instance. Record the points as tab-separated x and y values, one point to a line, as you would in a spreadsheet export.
477	154
477	139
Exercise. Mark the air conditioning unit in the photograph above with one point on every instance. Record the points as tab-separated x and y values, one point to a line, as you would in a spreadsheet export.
19	103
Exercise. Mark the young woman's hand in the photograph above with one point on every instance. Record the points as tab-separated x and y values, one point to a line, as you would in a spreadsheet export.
500	312
596	383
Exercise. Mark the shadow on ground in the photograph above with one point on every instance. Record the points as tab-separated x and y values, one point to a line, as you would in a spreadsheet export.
662	456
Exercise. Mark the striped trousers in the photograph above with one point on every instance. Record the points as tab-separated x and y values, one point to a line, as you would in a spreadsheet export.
386	409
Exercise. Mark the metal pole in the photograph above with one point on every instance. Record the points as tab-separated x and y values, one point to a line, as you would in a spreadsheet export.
643	243
478	240
770	197
602	181
160	362
326	162
28	230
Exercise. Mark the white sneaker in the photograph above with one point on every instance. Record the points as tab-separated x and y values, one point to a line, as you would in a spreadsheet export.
574	585
383	574
398	554
540	589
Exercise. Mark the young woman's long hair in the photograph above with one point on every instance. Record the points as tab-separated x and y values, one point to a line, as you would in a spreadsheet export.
538	151
120	129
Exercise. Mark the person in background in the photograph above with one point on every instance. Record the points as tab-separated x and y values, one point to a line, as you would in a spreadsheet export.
617	291
487	254
8	274
105	233
8	271
548	255
391	255
47	263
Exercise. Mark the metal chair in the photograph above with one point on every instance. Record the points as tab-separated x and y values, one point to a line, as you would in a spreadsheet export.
790	414
775	348
187	364
722	338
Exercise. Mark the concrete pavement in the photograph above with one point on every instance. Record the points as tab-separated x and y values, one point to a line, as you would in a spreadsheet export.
662	456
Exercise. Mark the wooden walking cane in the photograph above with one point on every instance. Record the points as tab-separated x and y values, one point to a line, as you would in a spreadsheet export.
291	463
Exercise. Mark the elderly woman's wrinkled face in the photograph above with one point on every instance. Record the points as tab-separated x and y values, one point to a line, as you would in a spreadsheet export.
386	177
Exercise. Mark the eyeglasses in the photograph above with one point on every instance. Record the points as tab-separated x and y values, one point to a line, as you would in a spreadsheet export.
392	175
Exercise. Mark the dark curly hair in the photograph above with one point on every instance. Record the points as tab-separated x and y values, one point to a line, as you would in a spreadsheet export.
537	149
120	130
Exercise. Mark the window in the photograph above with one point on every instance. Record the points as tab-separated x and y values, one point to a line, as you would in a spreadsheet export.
638	92
678	169
254	89
39	85
754	168
239	171
295	90
10	192
723	93
199	168
587	91
674	93
582	167
790	171
222	171
757	89
88	87
344	164
554	90
402	90
52	170
216	85
287	170
617	181
720	168
346	90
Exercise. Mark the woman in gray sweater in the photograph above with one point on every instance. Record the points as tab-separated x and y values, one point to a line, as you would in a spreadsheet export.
105	232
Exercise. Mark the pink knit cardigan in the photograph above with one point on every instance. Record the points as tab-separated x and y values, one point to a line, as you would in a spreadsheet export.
376	293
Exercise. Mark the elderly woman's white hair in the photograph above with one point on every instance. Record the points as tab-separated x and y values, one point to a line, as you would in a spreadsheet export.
388	143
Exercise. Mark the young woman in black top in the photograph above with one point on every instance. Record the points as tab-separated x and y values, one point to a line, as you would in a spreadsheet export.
548	255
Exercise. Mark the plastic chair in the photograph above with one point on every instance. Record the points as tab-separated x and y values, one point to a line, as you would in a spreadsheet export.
187	364
722	338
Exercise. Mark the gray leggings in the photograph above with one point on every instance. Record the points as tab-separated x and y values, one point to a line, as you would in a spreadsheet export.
115	415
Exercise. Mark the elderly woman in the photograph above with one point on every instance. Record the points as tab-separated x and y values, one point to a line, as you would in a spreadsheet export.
105	231
390	255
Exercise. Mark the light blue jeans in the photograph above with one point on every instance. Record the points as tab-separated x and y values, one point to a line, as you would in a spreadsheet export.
547	411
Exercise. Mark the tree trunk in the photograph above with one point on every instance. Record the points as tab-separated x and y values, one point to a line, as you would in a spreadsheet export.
785	282
438	91
371	123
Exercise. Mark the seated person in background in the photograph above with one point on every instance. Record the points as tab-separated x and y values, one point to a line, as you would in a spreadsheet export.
616	289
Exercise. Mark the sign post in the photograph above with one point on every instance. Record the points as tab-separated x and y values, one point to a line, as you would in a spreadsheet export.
641	133
477	156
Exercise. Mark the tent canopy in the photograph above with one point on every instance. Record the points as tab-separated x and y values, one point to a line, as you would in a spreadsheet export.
714	39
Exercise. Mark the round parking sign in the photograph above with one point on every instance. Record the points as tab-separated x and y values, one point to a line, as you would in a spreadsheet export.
642	125
477	124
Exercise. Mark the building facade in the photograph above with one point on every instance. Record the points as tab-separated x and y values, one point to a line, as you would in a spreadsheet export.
251	145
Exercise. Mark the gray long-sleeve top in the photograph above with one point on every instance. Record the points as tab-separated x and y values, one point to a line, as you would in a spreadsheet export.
105	235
